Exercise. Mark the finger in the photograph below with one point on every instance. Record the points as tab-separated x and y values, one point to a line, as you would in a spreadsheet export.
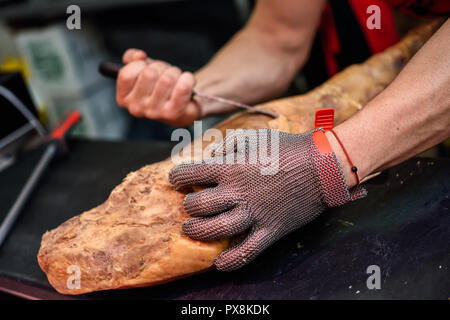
180	96
164	86
209	201
159	65
194	173
126	79
145	83
246	251
192	113
224	225
133	55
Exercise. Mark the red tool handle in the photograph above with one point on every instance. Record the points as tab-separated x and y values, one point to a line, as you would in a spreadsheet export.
324	119
61	131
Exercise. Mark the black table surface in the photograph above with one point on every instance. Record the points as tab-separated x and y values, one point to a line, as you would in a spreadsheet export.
402	227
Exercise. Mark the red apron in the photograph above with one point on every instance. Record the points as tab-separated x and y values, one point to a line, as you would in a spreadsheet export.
376	39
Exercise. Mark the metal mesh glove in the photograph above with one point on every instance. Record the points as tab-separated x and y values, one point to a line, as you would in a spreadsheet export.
269	196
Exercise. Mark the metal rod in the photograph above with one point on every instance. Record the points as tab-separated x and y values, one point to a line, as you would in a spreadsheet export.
15	210
233	103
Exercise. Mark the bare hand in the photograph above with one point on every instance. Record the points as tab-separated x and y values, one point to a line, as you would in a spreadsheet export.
156	90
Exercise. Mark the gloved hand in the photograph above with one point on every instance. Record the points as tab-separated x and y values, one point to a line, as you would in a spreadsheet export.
268	199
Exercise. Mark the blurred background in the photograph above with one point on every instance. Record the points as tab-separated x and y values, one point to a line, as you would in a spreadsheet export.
60	66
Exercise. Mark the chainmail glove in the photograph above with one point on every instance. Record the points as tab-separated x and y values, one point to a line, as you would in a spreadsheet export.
266	182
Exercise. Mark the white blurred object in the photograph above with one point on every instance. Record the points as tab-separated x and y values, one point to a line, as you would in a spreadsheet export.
7	48
63	71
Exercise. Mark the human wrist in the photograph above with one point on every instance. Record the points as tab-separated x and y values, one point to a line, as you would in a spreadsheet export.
349	175
336	190
210	86
210	108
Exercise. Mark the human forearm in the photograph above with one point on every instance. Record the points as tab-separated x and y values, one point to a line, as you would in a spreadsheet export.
250	69
411	115
260	61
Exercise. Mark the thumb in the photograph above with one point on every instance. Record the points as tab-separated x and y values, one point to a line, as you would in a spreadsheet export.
133	55
192	111
236	257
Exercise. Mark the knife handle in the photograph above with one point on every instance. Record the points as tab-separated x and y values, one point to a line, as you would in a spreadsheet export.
109	69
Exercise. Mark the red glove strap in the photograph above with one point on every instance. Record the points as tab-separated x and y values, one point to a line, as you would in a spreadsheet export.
330	173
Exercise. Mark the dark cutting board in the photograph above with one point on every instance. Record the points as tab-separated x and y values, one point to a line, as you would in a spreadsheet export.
402	227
